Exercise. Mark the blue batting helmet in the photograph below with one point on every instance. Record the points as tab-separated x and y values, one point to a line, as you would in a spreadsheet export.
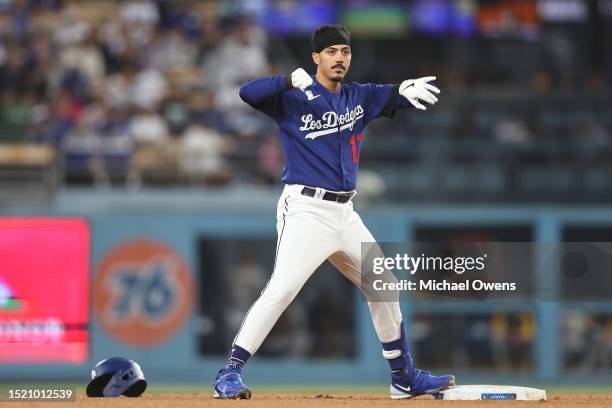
116	376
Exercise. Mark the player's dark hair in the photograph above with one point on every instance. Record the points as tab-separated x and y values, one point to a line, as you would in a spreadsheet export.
329	34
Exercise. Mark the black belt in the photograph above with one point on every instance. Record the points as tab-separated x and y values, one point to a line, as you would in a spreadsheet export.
329	196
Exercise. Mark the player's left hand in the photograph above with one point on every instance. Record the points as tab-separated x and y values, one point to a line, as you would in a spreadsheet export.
419	89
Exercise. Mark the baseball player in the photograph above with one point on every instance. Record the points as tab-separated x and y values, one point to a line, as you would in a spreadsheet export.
321	122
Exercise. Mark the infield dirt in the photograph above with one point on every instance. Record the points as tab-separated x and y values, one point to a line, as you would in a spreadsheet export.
312	400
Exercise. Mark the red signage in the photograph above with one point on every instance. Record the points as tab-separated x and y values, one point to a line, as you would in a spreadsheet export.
143	292
44	290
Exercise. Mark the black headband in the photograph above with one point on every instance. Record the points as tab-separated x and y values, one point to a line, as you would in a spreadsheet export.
328	37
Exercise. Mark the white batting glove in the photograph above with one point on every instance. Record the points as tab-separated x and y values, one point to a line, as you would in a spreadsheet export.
300	79
419	89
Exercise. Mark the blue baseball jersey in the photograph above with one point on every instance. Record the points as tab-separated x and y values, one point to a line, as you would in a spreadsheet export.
322	137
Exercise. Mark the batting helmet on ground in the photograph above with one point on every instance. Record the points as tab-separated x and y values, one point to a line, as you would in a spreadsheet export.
116	376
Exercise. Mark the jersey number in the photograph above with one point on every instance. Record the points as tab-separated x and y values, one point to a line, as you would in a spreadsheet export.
356	150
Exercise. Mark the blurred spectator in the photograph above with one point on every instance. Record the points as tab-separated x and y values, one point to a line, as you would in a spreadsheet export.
41	54
575	343
137	12
589	136
170	49
83	55
71	29
148	89
478	344
513	131
117	93
175	111
99	146
82	146
512	339
240	57
541	82
148	127
14	69
184	17
140	16
202	159
64	113
587	342
15	118
114	42
19	18
503	341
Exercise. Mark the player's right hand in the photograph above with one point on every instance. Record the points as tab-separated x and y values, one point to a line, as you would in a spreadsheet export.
300	79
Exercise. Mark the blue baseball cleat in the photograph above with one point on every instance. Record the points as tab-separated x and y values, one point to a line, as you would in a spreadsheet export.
229	385
419	383
407	381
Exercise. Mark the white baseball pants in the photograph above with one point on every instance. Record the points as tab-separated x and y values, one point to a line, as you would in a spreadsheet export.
311	230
